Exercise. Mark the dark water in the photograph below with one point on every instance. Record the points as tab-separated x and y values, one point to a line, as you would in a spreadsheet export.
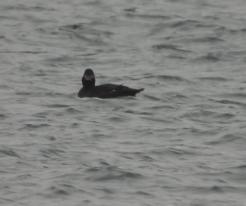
180	142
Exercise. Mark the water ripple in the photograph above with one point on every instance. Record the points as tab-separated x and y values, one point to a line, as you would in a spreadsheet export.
159	47
4	151
109	173
228	138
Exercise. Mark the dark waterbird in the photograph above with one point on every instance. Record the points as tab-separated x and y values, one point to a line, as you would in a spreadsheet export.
89	88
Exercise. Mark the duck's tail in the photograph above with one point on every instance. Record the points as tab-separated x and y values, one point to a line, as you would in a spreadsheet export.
138	90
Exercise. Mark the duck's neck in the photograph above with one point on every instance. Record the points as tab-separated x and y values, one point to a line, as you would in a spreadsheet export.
87	85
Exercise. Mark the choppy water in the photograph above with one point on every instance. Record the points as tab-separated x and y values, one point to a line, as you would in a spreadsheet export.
180	142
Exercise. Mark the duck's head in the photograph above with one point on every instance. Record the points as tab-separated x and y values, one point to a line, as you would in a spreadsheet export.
88	79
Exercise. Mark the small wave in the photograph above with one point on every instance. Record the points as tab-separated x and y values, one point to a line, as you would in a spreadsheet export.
107	173
210	57
24	7
5	87
235	95
171	78
155	119
8	17
189	24
199	113
131	9
228	138
160	107
145	194
175	151
151	97
72	110
44	93
137	112
87	33
3	116
232	31
106	190
57	105
226	101
22	93
225	116
4	151
207	116
184	22
207	40
180	151
118	176
41	114
35	126
131	14
219	79
176	56
116	119
51	138
62	190
213	189
169	47
22	52
165	77
51	152
241	167
59	60
58	191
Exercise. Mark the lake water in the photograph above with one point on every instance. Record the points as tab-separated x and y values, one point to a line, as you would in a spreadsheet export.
180	142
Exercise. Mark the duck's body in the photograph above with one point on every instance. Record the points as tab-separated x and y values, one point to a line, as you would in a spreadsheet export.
105	90
108	91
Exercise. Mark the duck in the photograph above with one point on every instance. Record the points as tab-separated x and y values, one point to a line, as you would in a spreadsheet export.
89	89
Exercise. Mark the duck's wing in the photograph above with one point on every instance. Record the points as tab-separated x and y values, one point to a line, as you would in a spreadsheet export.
114	90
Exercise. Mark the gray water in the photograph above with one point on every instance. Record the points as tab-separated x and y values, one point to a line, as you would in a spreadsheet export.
180	142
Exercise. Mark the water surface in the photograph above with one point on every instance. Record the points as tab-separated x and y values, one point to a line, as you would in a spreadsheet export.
180	142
